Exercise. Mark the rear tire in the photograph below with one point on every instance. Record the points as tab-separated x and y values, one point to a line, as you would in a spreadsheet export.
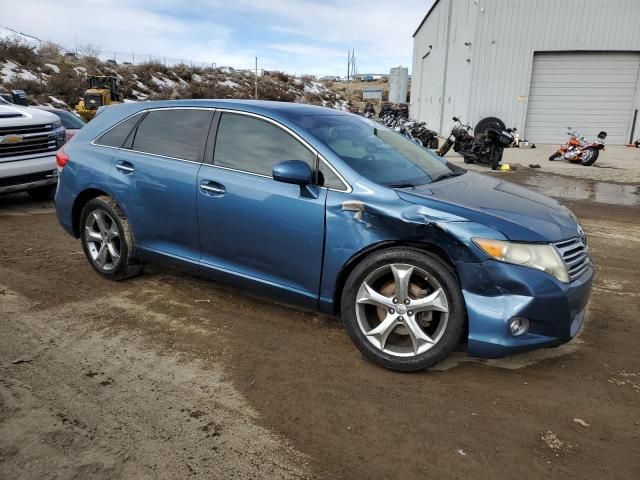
107	239
589	156
42	194
418	329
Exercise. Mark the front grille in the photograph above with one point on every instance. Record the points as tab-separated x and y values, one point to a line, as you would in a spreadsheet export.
24	129
92	101
575	256
35	139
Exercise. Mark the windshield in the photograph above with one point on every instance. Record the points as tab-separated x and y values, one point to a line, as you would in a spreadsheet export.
3	101
99	82
376	152
69	120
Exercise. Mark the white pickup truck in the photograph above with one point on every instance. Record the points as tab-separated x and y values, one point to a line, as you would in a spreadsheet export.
29	139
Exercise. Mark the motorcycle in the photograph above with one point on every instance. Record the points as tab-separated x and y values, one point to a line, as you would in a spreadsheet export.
396	118
580	150
486	145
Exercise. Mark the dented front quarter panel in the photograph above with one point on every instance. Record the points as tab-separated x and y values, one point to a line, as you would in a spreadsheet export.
363	219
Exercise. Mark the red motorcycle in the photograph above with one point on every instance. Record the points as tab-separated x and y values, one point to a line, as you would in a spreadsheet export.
579	150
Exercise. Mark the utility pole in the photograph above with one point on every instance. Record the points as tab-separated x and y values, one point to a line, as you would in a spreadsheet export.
256	78
348	68
133	58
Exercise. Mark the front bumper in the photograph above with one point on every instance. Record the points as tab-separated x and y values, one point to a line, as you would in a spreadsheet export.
25	174
495	292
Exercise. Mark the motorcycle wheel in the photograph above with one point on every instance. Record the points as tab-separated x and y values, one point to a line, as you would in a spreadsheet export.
446	146
554	156
496	158
589	156
434	143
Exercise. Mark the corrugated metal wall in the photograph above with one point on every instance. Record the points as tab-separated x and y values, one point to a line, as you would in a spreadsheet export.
504	34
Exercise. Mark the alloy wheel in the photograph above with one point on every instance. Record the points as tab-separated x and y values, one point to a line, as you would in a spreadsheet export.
402	310
103	240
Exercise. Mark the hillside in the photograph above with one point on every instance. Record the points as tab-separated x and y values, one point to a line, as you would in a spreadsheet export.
52	78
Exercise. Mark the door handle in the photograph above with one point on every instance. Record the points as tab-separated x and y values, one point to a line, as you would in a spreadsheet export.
125	167
212	188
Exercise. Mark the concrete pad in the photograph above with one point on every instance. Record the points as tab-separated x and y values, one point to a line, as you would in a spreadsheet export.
615	164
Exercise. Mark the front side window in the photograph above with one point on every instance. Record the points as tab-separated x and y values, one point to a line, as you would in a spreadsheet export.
376	152
252	145
179	133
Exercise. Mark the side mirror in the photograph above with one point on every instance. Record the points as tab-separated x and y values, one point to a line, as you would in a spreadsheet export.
295	172
455	119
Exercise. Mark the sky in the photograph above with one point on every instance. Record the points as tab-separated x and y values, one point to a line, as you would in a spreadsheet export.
296	36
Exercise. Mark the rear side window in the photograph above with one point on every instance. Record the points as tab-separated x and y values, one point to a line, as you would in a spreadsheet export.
118	134
253	145
173	133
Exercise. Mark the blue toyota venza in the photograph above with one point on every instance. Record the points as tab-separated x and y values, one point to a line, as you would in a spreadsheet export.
332	212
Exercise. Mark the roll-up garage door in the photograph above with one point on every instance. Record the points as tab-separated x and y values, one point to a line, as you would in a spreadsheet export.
587	91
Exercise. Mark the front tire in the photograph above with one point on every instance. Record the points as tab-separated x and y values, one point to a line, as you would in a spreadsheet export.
403	309
107	239
555	155
589	156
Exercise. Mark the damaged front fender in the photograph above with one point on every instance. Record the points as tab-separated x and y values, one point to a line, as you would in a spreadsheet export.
357	226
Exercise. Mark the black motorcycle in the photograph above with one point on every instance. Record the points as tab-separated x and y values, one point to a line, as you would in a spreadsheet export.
486	145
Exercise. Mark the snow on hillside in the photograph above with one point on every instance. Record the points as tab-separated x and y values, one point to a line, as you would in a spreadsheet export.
6	32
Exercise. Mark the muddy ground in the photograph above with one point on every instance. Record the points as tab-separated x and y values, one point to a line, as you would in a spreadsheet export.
172	376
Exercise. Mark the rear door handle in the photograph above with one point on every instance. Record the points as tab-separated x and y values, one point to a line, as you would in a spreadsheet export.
125	167
212	188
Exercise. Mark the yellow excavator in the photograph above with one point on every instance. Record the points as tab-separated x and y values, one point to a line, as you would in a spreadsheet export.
103	90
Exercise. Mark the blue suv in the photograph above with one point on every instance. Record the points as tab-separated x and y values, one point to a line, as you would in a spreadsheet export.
332	212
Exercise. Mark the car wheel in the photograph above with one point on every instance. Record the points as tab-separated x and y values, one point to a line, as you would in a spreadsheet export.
403	309
42	194
107	239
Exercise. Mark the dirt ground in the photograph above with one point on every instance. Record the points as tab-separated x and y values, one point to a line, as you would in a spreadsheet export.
172	376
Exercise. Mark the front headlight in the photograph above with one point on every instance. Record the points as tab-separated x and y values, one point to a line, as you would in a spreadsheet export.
544	257
56	124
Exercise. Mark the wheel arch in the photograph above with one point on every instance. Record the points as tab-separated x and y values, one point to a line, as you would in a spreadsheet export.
82	199
365	252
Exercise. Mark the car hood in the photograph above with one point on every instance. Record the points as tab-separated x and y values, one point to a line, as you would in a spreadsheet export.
17	115
517	212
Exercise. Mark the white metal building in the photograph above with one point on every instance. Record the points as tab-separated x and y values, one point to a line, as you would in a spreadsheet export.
540	65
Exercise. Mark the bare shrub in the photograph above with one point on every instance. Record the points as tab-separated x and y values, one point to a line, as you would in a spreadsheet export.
17	50
67	85
49	51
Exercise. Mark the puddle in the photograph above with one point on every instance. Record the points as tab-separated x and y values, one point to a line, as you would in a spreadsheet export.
580	189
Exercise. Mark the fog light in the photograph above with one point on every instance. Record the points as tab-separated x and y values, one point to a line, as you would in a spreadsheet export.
518	326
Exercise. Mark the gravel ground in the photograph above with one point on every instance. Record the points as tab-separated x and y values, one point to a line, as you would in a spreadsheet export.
172	376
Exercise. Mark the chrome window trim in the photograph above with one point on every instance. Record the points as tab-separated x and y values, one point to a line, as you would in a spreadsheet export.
346	184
